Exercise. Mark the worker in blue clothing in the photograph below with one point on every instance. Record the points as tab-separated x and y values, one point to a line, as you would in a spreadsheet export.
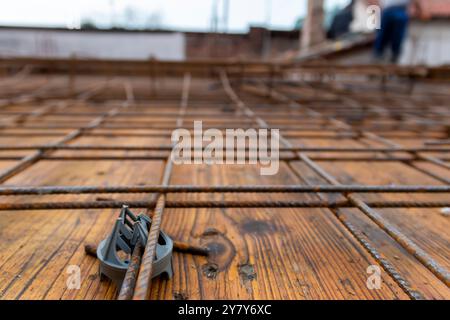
394	24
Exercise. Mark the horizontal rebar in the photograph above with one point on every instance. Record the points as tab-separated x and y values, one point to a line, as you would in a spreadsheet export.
382	114
319	171
159	157
324	135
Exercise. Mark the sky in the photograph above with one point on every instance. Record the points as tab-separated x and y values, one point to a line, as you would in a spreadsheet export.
167	14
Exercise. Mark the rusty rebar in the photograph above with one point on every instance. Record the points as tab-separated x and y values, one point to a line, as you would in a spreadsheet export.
217	204
142	288
129	282
178	246
27	161
170	148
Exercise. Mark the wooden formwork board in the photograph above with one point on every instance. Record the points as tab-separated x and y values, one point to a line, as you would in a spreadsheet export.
256	253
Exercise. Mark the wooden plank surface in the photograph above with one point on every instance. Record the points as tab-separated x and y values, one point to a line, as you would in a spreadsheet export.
259	253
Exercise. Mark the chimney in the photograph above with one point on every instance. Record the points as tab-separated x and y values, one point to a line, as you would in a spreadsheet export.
313	32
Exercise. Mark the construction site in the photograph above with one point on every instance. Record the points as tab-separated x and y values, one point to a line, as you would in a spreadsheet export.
94	205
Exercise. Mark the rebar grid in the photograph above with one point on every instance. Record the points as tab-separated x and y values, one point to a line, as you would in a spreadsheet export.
143	281
411	247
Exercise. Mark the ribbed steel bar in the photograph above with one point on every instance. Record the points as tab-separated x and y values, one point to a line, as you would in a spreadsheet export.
169	148
27	97
386	265
224	127
323	135
129	282
159	157
47	190
364	207
143	282
372	136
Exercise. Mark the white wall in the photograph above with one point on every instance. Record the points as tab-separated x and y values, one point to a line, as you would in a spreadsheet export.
427	43
91	44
